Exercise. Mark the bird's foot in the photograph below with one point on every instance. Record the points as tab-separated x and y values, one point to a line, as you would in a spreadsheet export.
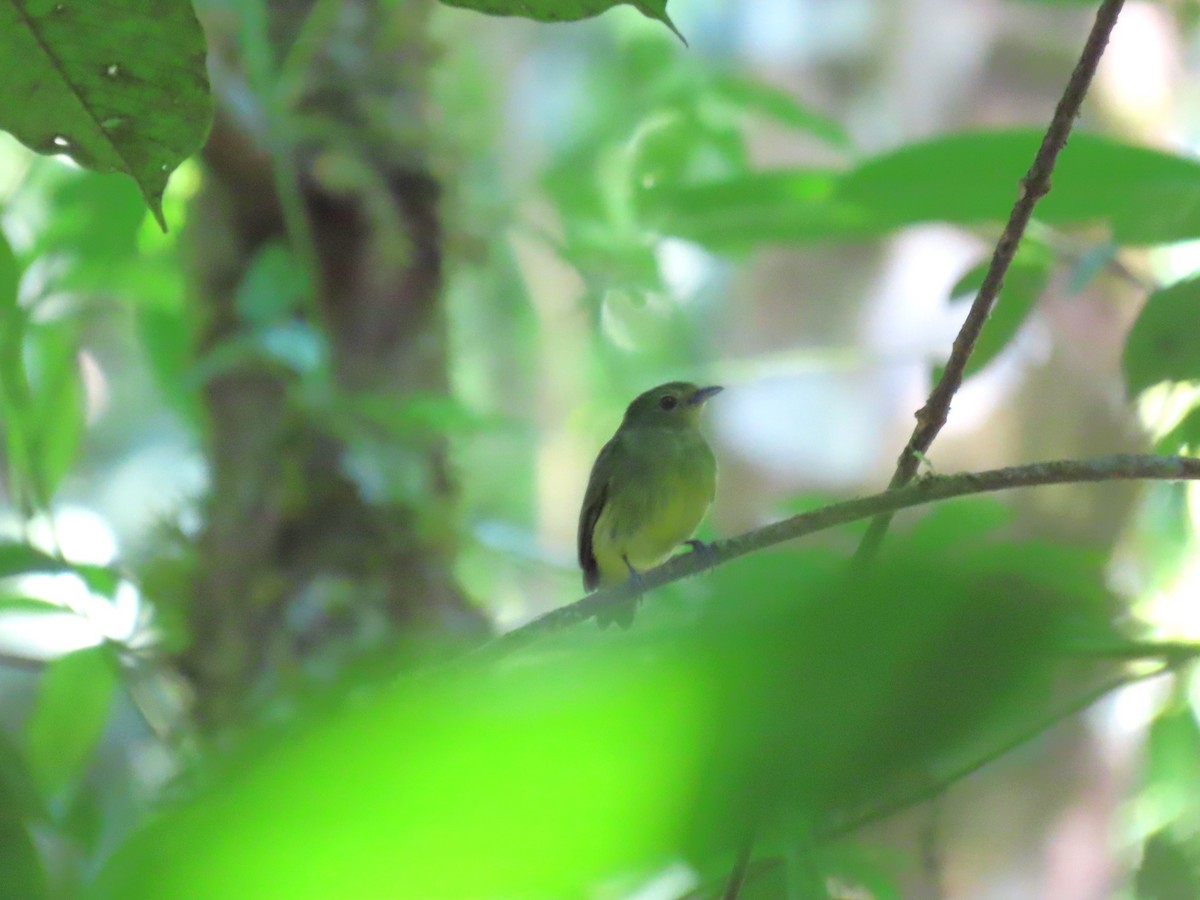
623	611
707	552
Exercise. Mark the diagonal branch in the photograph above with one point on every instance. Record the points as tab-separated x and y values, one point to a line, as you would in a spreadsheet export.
1119	467
1035	185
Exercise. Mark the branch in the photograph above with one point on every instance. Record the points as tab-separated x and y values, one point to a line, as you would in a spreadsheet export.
1035	185
1119	467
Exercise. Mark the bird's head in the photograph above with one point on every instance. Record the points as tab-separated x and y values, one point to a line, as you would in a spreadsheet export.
673	405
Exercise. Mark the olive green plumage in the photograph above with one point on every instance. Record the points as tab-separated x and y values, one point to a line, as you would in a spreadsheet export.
650	486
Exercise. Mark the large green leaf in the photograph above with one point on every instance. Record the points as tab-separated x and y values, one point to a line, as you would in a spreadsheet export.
68	719
1164	342
119	86
1144	196
813	692
566	10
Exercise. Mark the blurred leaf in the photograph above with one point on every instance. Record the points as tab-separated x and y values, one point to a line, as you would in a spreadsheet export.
95	229
167	340
1145	196
972	178
746	210
1163	536
813	693
566	10
1090	264
1170	869
18	558
24	877
781	106
967	520
101	580
273	287
10	278
1024	284
19	798
68	719
1171	792
1164	344
1184	436
56	417
10	603
120	87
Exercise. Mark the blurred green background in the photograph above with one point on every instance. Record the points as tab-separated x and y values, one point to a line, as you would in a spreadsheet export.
270	474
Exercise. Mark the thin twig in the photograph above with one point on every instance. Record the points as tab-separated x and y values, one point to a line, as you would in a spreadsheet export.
1118	467
741	867
1035	185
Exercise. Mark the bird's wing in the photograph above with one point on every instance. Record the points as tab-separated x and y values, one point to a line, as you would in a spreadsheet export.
593	504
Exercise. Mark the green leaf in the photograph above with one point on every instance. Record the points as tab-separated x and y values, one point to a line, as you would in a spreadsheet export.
566	10
69	716
1024	283
10	278
1144	196
21	559
1184	436
55	418
1171	795
19	603
779	105
24	876
1164	342
19	798
119	86
273	287
1170	869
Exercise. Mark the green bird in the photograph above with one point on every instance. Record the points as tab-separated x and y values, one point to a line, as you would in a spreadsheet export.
650	486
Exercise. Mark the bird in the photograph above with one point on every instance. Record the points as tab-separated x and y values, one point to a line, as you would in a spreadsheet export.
650	486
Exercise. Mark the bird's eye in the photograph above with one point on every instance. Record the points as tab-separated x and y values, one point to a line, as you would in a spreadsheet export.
668	402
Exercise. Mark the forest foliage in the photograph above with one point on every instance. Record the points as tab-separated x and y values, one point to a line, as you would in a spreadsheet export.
785	693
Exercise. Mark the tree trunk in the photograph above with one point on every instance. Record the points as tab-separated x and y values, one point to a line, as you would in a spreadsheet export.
325	532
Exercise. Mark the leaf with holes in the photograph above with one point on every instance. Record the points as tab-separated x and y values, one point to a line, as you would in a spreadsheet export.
119	86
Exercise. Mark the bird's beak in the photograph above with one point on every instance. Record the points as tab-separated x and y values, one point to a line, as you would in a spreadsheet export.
704	393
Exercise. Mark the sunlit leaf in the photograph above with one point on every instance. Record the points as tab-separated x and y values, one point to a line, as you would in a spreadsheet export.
1164	342
119	87
69	716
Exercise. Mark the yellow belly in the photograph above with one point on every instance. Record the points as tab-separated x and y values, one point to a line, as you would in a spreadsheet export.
645	525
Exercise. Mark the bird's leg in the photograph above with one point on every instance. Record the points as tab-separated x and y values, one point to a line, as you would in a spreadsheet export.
623	614
635	576
708	551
